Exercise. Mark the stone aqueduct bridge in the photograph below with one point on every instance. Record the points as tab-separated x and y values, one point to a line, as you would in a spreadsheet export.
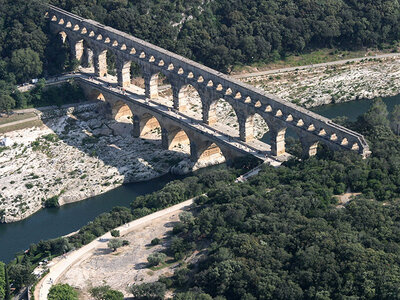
246	100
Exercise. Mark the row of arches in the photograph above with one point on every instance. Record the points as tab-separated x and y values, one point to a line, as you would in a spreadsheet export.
195	82
149	126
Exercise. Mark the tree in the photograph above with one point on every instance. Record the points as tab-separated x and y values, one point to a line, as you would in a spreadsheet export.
105	293
113	295
377	115
20	275
186	217
62	292
114	244
192	296
25	64
115	233
154	291
7	284
6	102
395	119
2	281
156	258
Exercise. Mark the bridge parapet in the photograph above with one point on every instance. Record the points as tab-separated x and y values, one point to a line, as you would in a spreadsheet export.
210	83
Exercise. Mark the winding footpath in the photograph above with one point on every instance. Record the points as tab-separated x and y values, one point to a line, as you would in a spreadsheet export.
64	264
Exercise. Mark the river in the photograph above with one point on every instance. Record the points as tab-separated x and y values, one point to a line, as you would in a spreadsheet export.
51	223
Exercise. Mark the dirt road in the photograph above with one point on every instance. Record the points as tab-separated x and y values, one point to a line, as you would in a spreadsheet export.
60	267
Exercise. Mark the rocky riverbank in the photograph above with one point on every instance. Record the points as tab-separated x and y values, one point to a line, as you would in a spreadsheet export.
74	157
315	86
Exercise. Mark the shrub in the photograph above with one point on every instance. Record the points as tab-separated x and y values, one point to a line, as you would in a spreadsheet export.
28	185
52	202
155	259
155	241
154	290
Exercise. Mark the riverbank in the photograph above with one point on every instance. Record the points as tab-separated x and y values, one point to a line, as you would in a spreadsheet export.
315	86
74	157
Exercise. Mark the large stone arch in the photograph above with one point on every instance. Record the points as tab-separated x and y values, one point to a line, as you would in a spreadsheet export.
122	112
229	111
176	137
206	153
149	122
184	99
93	94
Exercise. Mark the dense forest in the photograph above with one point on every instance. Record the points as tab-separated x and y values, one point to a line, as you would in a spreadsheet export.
281	235
219	34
